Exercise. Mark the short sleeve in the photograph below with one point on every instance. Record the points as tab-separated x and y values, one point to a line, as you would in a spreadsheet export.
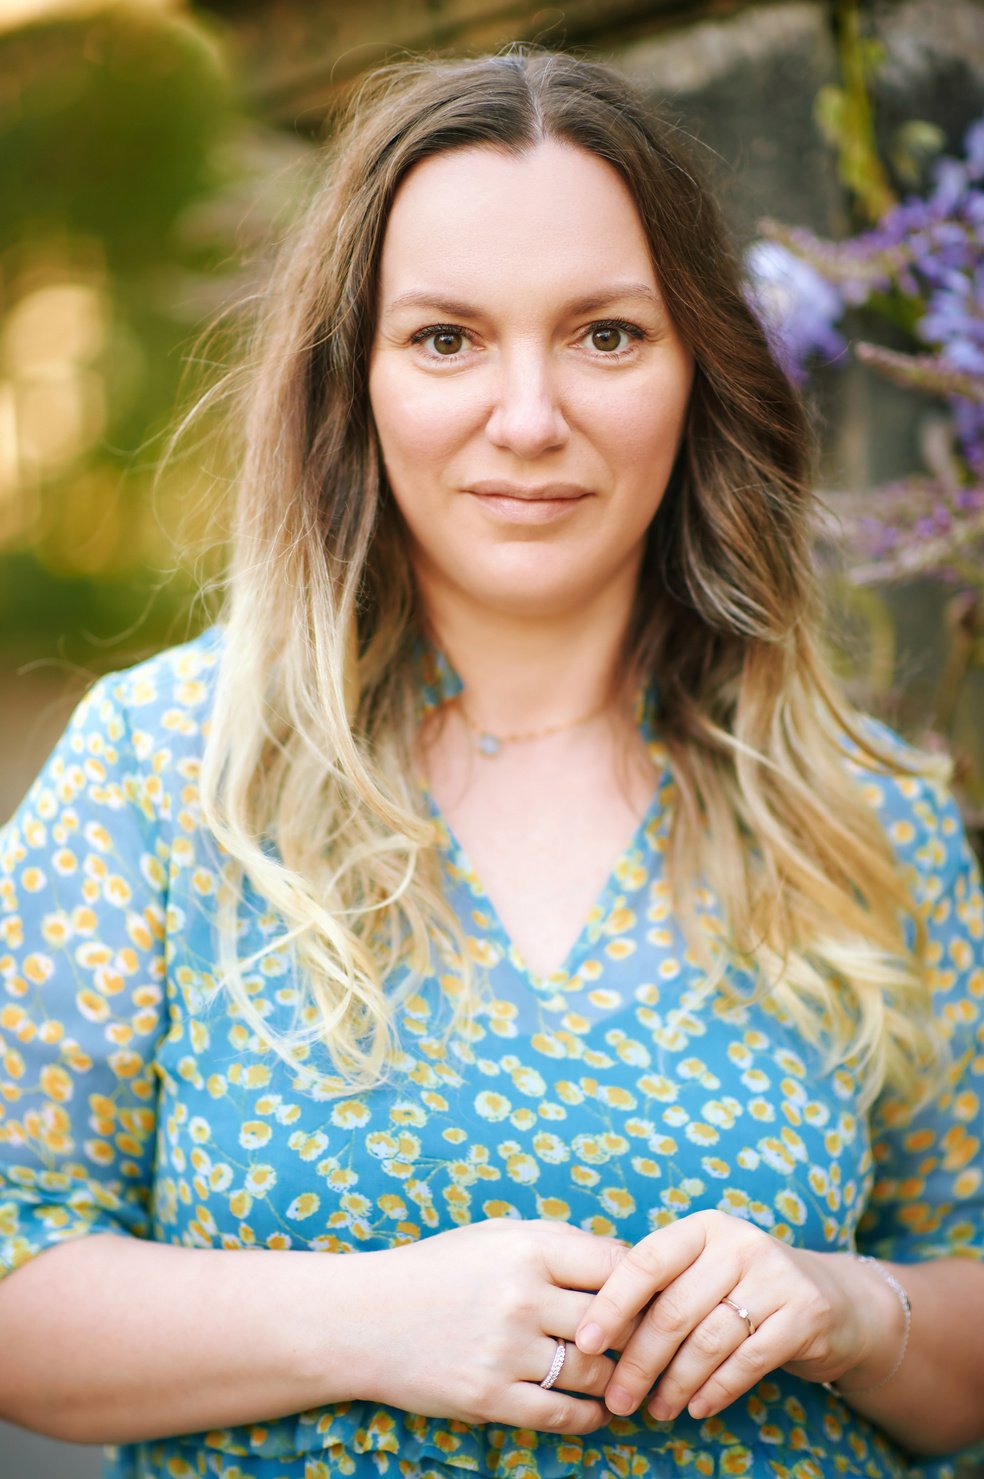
928	1195
83	874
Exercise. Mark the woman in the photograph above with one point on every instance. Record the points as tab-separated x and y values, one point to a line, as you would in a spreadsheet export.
520	587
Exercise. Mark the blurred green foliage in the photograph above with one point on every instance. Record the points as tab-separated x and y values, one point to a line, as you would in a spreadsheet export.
115	129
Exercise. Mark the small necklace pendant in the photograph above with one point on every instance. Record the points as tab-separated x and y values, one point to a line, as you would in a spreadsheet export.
489	744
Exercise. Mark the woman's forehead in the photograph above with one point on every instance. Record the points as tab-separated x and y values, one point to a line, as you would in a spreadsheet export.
485	217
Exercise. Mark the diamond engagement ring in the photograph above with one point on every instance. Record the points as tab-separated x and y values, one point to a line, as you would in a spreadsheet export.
556	1365
740	1309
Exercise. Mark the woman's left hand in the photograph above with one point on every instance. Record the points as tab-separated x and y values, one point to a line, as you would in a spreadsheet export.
699	1348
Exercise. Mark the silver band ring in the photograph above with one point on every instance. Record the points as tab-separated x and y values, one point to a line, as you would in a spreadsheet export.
556	1365
740	1309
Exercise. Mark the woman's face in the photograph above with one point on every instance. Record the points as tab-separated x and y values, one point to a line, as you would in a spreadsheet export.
528	387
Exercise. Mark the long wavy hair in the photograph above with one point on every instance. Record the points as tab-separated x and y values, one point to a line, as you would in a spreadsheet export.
308	780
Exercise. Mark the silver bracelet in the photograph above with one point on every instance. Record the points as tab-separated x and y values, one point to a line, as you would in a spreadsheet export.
906	1304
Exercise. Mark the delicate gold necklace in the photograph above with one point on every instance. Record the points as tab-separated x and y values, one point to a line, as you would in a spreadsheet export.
490	744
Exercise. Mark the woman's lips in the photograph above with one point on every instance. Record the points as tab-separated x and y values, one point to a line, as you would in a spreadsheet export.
528	505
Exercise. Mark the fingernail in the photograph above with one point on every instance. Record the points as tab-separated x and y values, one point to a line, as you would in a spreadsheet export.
698	1409
617	1400
590	1339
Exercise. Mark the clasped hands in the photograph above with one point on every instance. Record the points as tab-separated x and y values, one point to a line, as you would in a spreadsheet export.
704	1308
499	1295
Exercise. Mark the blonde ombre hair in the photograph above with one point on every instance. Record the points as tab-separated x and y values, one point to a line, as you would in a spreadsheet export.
308	781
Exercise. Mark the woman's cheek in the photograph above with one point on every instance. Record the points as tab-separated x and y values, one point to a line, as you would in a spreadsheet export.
422	416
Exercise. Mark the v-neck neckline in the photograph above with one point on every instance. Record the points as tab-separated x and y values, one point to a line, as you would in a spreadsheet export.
605	901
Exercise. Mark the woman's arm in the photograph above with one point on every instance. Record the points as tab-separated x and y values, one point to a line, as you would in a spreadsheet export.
112	1339
935	1401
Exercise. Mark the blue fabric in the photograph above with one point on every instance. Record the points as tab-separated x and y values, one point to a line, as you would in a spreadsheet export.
612	1095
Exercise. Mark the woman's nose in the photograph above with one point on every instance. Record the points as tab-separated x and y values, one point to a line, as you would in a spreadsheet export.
527	417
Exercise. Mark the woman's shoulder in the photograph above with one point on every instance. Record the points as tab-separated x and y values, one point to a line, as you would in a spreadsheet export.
136	737
171	689
158	708
908	789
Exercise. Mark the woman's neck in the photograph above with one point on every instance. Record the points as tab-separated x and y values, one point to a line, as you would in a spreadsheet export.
523	672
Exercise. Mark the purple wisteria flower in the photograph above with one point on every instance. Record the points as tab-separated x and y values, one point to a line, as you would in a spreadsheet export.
922	266
796	306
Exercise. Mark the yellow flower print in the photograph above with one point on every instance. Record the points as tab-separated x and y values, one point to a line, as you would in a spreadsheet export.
616	1096
340	1178
600	1226
633	1053
549	1044
499	1209
94	1008
522	1168
792	1207
617	1201
56	1083
261	1180
761	1214
253	1134
240	1203
590	1148
308	1147
658	1086
776	1155
38	968
483	952
605	1000
528	1081
959	1148
553	1207
492	1106
117	891
551	1148
355	1204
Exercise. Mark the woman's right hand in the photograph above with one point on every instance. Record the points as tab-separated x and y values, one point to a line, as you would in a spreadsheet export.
464	1324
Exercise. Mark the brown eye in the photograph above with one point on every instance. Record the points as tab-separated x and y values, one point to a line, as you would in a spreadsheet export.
606	339
448	341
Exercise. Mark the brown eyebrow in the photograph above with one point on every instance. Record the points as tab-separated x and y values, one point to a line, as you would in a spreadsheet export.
455	308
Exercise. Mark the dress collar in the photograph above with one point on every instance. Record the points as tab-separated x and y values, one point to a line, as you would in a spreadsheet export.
440	683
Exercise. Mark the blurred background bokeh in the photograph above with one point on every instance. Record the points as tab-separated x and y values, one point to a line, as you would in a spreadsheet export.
151	152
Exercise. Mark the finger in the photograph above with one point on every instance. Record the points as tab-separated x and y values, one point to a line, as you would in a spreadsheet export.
528	1406
576	1259
641	1272
561	1312
674	1317
774	1343
709	1345
588	1375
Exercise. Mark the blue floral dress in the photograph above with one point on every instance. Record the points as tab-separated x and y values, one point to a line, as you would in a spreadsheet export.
612	1095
